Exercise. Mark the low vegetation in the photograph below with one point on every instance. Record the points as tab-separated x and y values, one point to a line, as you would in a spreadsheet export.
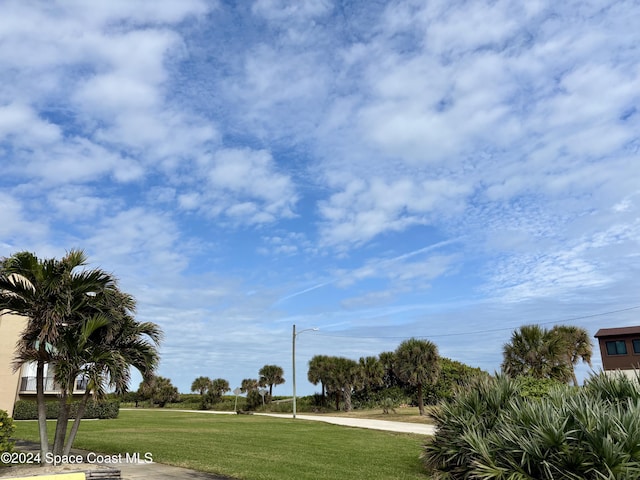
28	410
6	431
492	431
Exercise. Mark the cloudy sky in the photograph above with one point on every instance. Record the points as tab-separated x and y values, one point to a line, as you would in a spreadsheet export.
380	170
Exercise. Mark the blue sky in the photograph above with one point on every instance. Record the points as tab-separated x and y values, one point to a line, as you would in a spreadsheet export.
379	170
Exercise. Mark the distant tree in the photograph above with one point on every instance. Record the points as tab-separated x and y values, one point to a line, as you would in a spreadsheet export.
538	352
577	346
453	376
271	375
417	364
219	387
249	384
343	376
388	362
372	372
158	390
202	385
319	372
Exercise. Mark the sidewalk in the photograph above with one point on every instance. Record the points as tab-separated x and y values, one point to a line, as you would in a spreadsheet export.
389	426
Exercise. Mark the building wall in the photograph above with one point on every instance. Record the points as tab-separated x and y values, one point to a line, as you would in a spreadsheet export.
10	328
628	361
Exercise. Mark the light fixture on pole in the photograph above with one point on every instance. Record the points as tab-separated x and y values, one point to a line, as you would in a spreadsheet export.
293	357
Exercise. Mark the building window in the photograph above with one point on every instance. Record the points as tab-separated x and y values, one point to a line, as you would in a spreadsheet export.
636	346
617	347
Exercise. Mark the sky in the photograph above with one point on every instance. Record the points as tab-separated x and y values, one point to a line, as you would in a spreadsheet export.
379	170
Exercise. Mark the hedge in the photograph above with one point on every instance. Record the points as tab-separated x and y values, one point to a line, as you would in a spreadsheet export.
28	410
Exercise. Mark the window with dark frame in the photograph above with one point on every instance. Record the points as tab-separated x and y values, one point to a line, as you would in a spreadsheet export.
636	346
617	347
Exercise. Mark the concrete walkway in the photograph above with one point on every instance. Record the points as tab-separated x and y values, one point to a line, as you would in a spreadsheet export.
387	425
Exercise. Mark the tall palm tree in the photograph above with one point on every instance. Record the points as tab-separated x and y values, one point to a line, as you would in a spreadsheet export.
90	327
577	345
417	364
47	292
537	352
271	375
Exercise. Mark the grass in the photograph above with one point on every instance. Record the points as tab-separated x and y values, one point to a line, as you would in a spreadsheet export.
251	447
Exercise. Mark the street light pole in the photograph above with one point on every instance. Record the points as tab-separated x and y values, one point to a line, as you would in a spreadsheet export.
293	361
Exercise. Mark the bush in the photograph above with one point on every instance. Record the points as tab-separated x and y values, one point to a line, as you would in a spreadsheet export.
28	410
491	432
6	430
537	387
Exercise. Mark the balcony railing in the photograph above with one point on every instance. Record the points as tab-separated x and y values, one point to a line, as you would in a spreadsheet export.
28	385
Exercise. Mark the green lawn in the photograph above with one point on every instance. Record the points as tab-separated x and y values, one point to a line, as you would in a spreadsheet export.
251	447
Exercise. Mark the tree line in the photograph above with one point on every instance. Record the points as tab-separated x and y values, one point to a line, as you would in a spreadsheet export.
414	371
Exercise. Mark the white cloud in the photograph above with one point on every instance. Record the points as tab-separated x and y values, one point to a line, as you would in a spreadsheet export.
363	210
235	175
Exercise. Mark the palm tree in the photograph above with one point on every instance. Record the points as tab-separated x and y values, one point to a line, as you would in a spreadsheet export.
577	344
340	376
271	375
372	372
319	373
219	387
536	352
417	364
48	293
348	376
248	385
120	345
201	385
388	362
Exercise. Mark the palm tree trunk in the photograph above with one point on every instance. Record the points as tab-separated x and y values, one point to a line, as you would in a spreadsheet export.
347	398
76	422
63	418
42	410
420	400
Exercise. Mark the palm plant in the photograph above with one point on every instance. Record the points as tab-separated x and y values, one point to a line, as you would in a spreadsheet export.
372	372
271	375
202	386
115	348
319	373
577	346
48	292
417	364
537	352
248	385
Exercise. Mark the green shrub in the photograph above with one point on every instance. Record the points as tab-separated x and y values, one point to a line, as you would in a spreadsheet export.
28	410
537	387
6	430
491	432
